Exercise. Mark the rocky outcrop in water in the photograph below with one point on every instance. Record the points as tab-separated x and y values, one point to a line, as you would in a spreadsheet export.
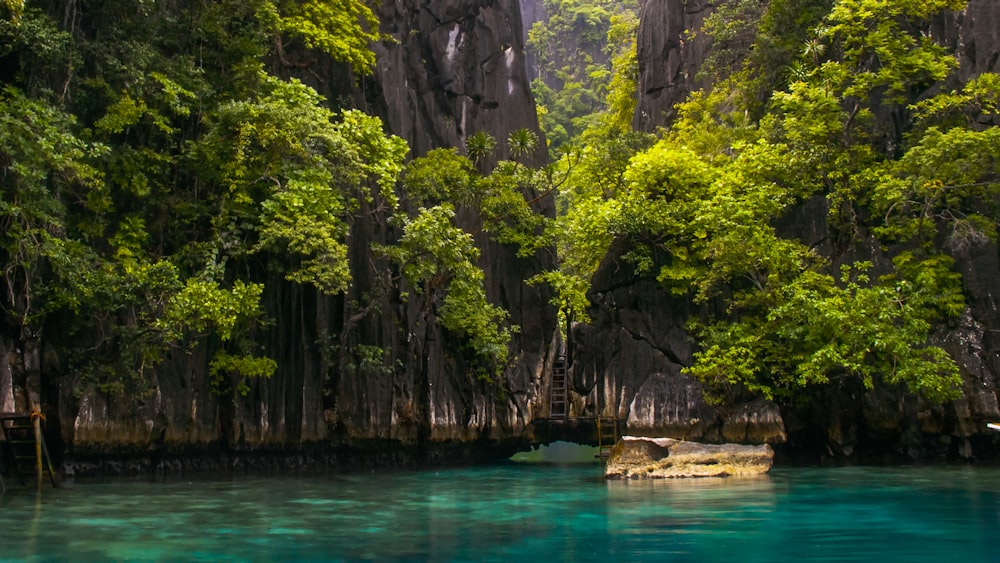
664	458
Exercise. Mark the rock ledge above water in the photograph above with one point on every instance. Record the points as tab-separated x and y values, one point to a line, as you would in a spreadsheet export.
660	458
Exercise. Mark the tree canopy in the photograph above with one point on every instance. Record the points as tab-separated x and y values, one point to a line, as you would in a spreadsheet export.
159	169
840	128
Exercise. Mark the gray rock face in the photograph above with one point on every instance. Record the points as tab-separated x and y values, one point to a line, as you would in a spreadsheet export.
978	38
669	58
456	68
532	11
627	364
664	458
452	69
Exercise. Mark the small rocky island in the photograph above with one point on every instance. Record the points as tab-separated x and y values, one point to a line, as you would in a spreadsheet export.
663	458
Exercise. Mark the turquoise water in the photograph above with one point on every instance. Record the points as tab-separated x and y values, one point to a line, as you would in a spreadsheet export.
526	512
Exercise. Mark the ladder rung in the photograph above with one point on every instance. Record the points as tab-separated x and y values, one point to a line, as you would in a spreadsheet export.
558	404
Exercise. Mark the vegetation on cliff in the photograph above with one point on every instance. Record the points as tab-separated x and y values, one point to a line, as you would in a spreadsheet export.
851	115
573	52
159	169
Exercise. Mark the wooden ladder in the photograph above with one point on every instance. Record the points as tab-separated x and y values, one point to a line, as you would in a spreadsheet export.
607	436
558	397
25	447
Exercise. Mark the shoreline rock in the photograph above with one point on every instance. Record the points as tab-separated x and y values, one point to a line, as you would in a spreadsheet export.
666	458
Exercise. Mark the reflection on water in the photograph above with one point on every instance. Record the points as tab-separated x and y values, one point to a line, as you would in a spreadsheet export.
559	452
517	511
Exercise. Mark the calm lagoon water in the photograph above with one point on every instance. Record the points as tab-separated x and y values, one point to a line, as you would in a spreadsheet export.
511	512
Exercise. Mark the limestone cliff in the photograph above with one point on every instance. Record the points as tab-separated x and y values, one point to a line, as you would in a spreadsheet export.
671	49
532	11
627	362
452	69
449	70
669	55
366	375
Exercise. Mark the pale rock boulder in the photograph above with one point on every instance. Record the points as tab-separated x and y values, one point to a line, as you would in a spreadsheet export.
660	458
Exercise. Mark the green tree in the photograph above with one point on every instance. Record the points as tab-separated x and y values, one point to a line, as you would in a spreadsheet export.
588	175
41	163
341	28
574	50
439	260
440	176
153	173
521	143
700	209
479	146
787	309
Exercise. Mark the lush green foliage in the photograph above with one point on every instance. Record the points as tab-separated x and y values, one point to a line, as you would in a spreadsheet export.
701	209
153	173
342	28
439	258
573	51
158	172
589	175
161	172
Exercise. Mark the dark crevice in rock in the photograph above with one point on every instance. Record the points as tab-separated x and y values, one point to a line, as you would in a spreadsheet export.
666	351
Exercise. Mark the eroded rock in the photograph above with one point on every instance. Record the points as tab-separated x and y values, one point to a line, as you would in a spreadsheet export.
665	458
670	53
453	69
